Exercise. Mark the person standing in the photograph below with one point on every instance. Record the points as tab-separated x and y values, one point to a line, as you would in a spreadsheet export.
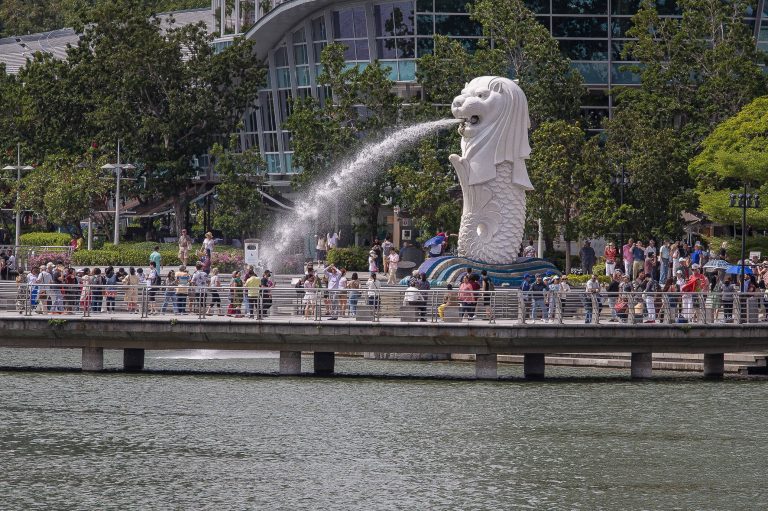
252	289
386	248
321	248
200	283
214	285
374	291
132	292
185	243
638	259
537	290
334	278
182	289
155	257
610	253
587	255
266	284
626	253
664	256
208	244
529	250
393	261
592	304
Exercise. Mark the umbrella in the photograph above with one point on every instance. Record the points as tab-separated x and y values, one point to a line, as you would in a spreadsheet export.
437	240
735	269
716	264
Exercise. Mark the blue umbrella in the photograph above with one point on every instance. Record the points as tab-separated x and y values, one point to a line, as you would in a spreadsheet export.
437	240
735	269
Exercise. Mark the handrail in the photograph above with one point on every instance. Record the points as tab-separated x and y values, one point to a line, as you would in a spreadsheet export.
388	304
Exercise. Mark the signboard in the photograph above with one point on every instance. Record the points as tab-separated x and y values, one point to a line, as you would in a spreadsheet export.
252	255
754	255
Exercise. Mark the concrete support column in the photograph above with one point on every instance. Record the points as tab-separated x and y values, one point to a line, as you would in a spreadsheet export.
290	363
93	359
324	362
642	365
485	366
714	365
533	366
133	360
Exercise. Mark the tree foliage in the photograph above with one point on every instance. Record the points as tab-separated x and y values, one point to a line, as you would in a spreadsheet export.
736	152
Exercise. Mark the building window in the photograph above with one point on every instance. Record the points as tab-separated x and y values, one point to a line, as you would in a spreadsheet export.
579	27
580	7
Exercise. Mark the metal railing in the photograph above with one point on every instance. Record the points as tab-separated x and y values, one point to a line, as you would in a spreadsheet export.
385	304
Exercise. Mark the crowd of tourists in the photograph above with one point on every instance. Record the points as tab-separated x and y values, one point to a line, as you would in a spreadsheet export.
673	282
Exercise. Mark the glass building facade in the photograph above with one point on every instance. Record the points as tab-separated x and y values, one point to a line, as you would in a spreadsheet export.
591	33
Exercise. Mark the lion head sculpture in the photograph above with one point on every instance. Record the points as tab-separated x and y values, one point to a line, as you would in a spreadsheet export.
495	128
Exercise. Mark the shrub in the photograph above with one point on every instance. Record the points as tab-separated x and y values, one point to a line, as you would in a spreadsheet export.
227	262
581	280
137	254
43	258
351	258
45	239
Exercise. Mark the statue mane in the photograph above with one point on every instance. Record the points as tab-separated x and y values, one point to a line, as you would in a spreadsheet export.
506	137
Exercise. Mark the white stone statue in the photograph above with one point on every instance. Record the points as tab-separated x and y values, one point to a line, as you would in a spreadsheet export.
491	168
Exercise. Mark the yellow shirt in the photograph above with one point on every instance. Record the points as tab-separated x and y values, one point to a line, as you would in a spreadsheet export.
253	286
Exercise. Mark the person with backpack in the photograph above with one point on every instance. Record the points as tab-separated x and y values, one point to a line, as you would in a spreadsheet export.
487	288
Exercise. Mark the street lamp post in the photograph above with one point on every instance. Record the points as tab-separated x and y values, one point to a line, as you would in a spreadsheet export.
18	168
744	201
117	167
621	179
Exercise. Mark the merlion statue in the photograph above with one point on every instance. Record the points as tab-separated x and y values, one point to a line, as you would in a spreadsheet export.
491	168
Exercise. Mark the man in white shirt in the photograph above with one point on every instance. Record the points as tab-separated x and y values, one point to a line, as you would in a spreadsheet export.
332	239
334	278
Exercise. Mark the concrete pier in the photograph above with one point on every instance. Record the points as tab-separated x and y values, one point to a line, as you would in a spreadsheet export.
324	362
290	363
133	360
93	359
714	366
641	365
533	366
486	366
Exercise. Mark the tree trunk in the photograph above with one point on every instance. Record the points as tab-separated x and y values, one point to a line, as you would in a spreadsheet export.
179	214
567	255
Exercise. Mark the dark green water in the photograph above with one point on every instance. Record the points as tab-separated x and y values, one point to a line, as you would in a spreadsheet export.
588	439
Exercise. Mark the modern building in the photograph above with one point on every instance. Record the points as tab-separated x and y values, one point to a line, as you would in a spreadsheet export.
290	34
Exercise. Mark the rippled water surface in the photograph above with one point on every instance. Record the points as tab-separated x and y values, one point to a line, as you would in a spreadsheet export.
168	439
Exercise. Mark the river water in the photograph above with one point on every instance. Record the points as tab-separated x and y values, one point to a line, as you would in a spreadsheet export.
200	433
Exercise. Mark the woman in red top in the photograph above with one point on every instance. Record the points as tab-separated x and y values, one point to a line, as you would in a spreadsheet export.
610	254
467	297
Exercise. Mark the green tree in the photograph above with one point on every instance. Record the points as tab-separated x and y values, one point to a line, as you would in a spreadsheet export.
553	88
425	190
736	152
64	189
570	192
240	211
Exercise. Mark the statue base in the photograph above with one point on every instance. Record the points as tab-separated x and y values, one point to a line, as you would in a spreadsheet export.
449	270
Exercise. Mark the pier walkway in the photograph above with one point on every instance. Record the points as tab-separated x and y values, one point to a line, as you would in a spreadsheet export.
496	323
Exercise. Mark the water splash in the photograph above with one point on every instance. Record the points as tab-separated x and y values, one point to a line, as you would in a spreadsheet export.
349	177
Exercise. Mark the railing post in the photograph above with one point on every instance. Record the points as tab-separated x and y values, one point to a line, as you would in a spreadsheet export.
520	307
703	303
558	308
595	309
631	309
318	303
492	308
737	308
666	308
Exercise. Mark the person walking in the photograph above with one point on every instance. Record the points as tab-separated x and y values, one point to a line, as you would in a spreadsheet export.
610	253
185	243
393	262
155	257
213	286
587	256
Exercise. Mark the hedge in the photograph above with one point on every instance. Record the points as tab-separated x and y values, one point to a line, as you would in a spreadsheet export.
137	254
46	239
351	258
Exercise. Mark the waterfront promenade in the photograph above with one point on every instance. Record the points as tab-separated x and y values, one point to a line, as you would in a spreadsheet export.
503	327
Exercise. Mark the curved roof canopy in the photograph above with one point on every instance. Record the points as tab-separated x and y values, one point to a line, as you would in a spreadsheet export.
271	28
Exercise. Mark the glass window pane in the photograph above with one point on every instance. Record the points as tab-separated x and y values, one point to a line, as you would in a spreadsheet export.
593	73
546	21
318	29
424	6
361	30
406	48
349	50
619	26
361	50
289	164
299	36
469	44
538	6
319	50
283	78
403	19
625	7
667	7
579	6
457	26
302	76
616	48
386	48
425	46
382	15
270	142
579	27
424	24
273	163
623	77
392	65
584	49
281	57
451	5
595	98
343	24
266	109
300	54
407	70
593	117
